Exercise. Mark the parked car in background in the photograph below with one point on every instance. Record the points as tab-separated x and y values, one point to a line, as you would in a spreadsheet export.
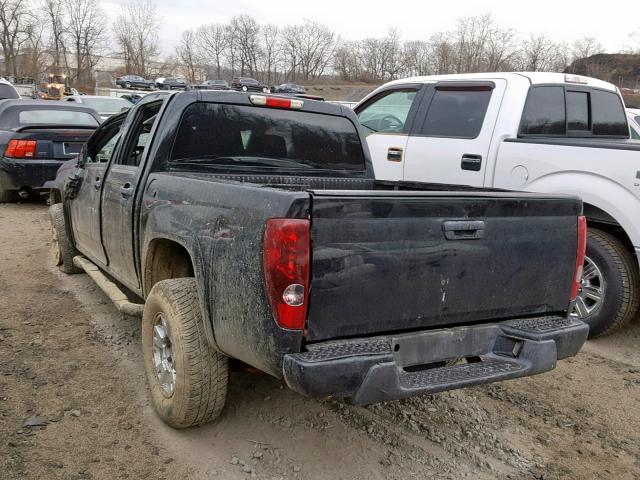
8	91
252	227
289	88
36	138
213	85
539	132
175	83
132	97
633	116
246	84
105	106
134	81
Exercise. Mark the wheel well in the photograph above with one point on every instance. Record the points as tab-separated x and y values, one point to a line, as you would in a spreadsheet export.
166	259
55	197
600	219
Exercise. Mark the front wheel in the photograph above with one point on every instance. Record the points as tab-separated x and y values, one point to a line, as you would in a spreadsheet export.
608	296
188	379
244	89
62	251
127	85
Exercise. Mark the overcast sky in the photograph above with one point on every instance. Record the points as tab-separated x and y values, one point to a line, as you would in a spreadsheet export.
414	19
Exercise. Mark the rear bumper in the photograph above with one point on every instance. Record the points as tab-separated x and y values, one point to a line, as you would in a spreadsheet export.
392	367
31	174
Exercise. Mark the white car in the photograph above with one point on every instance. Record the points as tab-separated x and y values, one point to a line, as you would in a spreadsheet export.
633	115
7	90
105	106
541	132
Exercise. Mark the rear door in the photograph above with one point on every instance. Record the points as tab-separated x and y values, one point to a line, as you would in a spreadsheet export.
400	260
387	118
451	135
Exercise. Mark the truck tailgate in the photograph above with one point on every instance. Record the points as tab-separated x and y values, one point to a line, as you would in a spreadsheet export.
394	261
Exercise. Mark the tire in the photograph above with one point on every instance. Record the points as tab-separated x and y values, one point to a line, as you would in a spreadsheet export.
127	85
611	272
244	89
7	196
194	381
265	90
62	250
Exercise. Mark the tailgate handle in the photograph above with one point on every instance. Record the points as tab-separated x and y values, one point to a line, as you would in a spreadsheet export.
471	162
463	229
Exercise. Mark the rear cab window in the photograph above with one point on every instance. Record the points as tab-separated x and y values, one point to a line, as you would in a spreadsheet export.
56	117
570	111
238	137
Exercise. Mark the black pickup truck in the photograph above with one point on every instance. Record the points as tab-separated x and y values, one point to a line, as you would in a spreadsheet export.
253	228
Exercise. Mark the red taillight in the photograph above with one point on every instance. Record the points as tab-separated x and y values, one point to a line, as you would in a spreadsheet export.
286	269
276	102
21	149
580	254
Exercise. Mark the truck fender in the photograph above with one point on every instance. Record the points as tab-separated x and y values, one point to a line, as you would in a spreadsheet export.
610	197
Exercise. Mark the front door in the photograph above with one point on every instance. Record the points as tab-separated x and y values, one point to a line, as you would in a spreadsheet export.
387	118
450	139
119	193
85	207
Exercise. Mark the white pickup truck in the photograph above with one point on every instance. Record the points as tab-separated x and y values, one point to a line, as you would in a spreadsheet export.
540	132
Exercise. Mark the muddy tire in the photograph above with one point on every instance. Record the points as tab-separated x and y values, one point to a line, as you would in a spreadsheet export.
608	298
62	251
187	378
7	196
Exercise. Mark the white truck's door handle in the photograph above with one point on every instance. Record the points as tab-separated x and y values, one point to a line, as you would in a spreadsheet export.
471	162
394	154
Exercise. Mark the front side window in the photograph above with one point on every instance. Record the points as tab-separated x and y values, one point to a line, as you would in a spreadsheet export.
455	112
388	112
544	112
247	137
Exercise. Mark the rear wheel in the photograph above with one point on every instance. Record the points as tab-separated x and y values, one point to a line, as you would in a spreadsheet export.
188	379
608	296
127	85
62	251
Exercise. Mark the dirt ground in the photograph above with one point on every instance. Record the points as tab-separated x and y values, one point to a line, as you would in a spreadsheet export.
70	362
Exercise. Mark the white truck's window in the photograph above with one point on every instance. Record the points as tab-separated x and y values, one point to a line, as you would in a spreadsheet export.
388	112
578	111
609	118
454	112
544	112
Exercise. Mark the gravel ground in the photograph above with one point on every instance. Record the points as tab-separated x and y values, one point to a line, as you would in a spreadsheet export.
70	366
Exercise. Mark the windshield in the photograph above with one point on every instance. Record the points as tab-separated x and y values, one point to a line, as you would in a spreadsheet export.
56	117
243	136
106	104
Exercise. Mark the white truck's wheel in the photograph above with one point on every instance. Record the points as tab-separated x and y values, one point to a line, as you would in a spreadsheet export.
188	379
608	297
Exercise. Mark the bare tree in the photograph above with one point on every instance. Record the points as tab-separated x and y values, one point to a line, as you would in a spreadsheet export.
14	19
87	35
213	41
33	58
188	55
271	52
245	43
539	54
316	49
136	30
54	13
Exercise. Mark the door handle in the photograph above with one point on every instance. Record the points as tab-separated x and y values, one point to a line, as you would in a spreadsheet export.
97	184
394	154
471	162
126	190
463	229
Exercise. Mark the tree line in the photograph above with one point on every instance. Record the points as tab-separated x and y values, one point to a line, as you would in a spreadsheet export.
71	36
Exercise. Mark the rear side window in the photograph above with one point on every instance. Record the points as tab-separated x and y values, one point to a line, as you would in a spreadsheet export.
608	114
544	112
266	138
56	117
455	112
573	111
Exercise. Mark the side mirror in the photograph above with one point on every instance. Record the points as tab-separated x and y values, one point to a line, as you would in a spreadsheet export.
82	157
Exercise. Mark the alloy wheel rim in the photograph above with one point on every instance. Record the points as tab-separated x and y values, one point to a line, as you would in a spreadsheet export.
591	292
163	360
